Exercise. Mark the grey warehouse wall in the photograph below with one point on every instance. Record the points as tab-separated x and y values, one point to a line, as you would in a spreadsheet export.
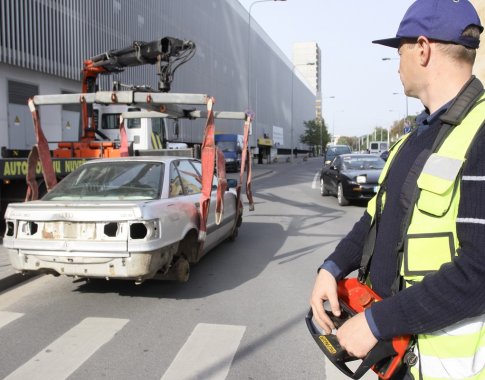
44	42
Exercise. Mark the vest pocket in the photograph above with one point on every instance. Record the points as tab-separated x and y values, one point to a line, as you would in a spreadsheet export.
417	258
436	183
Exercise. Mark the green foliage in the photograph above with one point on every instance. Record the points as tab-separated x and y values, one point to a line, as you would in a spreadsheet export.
316	133
351	141
313	136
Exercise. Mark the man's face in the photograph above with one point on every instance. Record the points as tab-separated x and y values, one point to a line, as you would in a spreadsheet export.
408	66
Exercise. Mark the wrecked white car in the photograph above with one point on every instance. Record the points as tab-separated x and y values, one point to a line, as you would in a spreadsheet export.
120	218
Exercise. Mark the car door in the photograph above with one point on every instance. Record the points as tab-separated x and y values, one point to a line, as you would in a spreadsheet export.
333	174
217	232
180	211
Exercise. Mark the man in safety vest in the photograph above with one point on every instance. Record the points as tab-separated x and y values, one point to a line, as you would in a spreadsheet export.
421	242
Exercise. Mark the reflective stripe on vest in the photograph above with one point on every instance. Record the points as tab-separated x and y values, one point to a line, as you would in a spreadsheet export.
460	358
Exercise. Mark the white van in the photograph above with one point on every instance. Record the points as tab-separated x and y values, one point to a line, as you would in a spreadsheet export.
377	147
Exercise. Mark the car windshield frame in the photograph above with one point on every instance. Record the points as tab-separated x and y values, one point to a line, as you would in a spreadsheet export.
362	162
338	150
333	151
111	181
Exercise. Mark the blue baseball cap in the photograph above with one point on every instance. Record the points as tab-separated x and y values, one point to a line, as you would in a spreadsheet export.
440	20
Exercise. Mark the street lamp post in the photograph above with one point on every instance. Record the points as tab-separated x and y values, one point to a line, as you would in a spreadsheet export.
249	50
407	103
291	106
389	131
398	93
321	125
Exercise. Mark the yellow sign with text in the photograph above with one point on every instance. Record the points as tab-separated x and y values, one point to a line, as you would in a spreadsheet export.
18	167
265	142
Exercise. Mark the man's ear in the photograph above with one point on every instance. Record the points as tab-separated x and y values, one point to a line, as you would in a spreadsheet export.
424	47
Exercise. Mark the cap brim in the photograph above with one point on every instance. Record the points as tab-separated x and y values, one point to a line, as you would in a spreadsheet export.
390	42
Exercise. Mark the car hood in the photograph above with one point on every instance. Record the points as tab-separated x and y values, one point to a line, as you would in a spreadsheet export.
372	174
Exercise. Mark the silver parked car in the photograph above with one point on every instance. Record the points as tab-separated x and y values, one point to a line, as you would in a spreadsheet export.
127	218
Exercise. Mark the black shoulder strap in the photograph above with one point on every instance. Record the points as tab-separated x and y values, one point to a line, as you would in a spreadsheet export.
464	102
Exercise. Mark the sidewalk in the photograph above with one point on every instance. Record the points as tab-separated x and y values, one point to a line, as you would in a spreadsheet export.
9	278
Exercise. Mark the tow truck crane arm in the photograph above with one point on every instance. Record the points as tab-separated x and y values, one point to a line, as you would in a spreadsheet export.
168	53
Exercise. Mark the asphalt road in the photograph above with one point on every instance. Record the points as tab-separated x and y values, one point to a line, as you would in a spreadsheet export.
240	315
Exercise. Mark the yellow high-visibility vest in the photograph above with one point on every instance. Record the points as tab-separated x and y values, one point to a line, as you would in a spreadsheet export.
457	351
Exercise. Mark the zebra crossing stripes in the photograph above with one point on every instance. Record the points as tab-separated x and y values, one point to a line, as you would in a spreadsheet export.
207	354
67	353
6	317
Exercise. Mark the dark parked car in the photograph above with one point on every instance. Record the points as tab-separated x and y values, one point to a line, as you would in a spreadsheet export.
384	155
351	177
333	151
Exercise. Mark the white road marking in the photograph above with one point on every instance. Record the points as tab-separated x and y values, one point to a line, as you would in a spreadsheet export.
316	181
61	358
6	317
207	354
14	295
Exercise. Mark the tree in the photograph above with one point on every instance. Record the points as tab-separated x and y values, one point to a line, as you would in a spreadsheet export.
316	133
351	141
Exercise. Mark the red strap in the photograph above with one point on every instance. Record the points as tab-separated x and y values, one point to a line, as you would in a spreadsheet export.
40	151
123	139
32	185
208	158
221	185
246	160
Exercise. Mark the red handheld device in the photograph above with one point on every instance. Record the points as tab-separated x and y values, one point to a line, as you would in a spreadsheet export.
386	356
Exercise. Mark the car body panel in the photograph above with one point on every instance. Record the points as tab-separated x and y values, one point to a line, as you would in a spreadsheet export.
113	238
346	168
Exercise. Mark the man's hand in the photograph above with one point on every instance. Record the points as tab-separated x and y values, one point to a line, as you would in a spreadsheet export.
325	288
356	337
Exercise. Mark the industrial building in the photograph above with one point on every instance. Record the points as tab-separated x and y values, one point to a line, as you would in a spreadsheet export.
43	44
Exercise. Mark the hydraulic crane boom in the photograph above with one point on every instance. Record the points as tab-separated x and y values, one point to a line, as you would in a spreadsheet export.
168	53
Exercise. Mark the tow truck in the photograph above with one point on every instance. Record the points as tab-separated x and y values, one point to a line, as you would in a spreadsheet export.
149	109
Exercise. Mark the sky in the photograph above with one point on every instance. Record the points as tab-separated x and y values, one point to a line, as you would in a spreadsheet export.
360	91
